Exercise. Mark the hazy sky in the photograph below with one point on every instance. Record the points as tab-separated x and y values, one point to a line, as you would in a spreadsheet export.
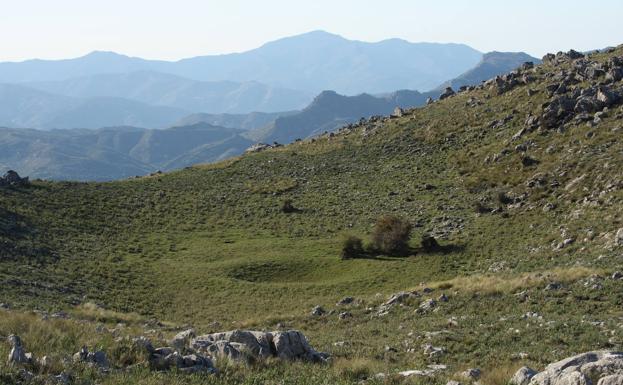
173	29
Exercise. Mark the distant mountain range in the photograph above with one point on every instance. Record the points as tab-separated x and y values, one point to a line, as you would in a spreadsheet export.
330	111
24	107
159	89
247	122
210	119
311	63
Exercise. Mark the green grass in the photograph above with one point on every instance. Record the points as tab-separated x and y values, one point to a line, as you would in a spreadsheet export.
210	244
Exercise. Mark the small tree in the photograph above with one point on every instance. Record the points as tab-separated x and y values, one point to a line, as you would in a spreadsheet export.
352	247
391	235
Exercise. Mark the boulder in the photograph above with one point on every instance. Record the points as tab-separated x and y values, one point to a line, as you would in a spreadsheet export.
427	305
258	147
523	376
286	345
607	97
447	93
398	298
97	358
471	374
614	74
614	379
292	345
345	315
257	344
165	358
224	349
587	368
318	311
18	355
182	339
618	237
345	301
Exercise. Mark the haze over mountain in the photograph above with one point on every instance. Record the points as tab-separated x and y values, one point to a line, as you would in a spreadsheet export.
329	111
160	89
310	62
113	153
24	107
250	121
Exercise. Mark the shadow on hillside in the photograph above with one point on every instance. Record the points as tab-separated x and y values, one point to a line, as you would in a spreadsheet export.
412	252
440	249
18	239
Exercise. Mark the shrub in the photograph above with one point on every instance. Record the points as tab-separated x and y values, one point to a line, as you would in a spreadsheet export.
429	243
391	235
352	247
288	207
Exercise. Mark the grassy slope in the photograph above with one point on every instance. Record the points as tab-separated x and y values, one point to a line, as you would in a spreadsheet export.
210	243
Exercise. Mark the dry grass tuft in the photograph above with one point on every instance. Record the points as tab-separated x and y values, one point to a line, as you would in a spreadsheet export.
506	283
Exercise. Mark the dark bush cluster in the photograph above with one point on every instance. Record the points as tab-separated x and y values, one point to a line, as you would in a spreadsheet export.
391	235
352	247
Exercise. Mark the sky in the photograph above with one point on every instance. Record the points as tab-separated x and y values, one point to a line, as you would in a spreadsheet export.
175	29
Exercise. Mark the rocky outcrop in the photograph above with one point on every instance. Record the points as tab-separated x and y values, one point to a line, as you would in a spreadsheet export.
181	339
12	178
570	99
447	93
259	147
237	344
523	376
592	368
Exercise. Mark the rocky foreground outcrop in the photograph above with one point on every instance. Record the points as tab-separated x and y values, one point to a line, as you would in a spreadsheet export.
188	353
592	368
241	344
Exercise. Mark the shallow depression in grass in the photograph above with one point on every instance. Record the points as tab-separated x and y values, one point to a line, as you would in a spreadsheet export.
270	271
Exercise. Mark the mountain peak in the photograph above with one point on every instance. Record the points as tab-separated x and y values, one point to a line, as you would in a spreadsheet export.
103	54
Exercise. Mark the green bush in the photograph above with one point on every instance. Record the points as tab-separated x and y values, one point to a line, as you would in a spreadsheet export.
352	247
391	235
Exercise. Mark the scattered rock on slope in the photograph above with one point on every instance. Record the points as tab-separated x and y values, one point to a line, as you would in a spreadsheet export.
97	358
592	368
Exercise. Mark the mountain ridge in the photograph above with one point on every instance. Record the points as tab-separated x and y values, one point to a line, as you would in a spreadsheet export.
307	62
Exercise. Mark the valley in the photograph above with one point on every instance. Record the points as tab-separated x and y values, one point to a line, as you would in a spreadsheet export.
518	179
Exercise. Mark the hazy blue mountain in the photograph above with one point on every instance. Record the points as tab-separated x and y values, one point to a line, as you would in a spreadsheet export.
492	64
114	153
109	111
26	107
161	89
250	121
96	62
329	111
309	62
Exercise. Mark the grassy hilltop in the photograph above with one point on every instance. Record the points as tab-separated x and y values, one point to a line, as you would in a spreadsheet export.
209	246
